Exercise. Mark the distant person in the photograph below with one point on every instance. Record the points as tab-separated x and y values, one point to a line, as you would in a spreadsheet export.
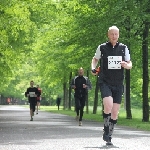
58	100
32	93
81	84
8	100
38	99
114	58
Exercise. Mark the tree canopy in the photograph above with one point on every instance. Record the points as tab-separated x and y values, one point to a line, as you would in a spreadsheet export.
45	40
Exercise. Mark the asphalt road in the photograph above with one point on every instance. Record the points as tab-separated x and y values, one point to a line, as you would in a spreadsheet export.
51	131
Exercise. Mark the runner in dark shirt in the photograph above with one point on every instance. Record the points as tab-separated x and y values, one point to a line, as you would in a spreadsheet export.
32	93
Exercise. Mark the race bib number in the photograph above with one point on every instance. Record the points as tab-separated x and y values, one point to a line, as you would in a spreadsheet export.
32	94
114	62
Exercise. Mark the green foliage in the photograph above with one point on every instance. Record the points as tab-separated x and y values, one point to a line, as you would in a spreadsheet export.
46	40
135	123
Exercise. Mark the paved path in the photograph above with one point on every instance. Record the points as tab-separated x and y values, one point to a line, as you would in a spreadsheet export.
51	131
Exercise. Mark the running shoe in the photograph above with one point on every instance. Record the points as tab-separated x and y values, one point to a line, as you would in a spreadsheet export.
80	123
31	119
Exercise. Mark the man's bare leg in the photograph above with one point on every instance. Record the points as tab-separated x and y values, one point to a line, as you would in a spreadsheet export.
31	114
39	105
37	108
108	105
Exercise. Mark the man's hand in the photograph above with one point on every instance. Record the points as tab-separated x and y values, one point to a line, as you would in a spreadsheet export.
84	86
123	64
93	71
126	65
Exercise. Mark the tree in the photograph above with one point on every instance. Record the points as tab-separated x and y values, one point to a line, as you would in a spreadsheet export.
96	97
145	72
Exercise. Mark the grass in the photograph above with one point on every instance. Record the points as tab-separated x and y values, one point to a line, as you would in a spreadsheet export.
135	122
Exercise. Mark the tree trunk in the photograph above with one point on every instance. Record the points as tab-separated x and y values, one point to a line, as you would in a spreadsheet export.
70	89
145	73
128	101
127	74
87	102
64	98
96	97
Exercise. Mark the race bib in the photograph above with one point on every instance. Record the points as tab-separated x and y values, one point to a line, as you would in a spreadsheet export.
32	94
114	62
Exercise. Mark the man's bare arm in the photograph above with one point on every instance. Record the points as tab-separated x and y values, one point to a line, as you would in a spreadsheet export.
93	65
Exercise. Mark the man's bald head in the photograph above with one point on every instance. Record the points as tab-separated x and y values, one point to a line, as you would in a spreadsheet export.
81	71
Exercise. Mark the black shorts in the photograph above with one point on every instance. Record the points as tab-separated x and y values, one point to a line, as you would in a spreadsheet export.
79	102
115	91
38	101
32	105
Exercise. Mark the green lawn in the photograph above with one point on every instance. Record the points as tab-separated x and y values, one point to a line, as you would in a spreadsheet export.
136	122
